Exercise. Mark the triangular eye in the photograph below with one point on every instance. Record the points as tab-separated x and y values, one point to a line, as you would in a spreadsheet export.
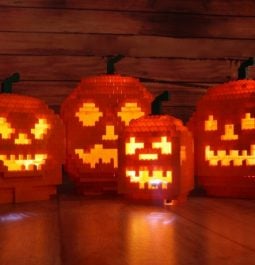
5	129
132	146
164	145
40	129
129	112
248	122
88	114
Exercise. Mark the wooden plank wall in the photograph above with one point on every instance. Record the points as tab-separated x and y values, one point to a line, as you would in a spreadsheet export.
182	46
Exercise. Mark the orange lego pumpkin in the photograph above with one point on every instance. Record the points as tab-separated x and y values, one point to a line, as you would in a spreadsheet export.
31	149
224	131
156	159
94	114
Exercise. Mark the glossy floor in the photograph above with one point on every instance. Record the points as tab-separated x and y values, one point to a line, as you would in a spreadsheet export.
78	231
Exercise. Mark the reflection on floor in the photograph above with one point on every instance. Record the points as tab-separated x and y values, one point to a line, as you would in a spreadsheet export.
73	231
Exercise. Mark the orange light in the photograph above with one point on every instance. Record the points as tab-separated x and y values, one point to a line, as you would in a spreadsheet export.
129	112
132	146
88	114
164	145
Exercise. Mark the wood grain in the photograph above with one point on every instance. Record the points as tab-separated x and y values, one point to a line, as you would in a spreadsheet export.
216	7
76	67
111	22
29	234
131	46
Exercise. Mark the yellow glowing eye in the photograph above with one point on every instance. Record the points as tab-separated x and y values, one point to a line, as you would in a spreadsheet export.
129	112
211	124
5	128
132	146
40	129
164	145
88	114
248	123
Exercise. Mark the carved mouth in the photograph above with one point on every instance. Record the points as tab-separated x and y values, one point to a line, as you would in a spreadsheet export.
98	153
234	157
23	162
157	178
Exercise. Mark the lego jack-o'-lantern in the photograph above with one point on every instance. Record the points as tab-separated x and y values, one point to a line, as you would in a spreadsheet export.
94	114
224	132
156	160
31	149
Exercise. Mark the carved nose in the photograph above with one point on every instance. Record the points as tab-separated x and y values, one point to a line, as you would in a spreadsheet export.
22	139
109	133
229	133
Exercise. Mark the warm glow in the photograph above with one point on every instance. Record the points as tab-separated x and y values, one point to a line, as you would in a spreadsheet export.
132	146
148	156
153	181
88	114
248	123
129	112
109	134
229	133
98	153
23	162
164	145
22	139
211	124
40	129
5	128
183	154
223	158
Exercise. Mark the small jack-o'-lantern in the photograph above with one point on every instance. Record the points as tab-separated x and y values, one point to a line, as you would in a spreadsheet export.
156	159
94	114
31	149
224	132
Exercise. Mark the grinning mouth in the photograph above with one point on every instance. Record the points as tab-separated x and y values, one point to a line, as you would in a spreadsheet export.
157	178
23	162
224	158
97	154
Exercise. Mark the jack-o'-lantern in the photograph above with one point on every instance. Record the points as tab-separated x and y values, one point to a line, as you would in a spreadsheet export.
31	149
94	114
224	132
156	159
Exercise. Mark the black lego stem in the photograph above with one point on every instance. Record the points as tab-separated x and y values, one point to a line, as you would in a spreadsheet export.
111	61
242	70
156	103
6	85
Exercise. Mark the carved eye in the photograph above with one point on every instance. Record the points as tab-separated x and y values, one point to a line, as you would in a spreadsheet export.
129	112
248	123
211	124
5	128
164	145
40	129
132	146
88	114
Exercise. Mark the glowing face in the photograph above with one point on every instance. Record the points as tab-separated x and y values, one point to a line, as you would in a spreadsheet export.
23	139
233	150
153	155
94	118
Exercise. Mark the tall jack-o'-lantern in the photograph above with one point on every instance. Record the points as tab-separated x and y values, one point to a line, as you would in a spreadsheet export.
156	159
31	148
224	132
94	114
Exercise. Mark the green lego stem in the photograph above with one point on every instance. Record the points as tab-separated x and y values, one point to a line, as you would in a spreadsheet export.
6	85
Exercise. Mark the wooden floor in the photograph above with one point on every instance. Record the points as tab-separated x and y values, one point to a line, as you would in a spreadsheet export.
72	231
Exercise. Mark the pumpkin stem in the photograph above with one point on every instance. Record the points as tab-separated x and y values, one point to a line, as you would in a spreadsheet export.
6	85
156	103
111	61
242	70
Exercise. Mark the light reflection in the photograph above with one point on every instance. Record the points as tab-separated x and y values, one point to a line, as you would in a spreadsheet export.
161	218
13	217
